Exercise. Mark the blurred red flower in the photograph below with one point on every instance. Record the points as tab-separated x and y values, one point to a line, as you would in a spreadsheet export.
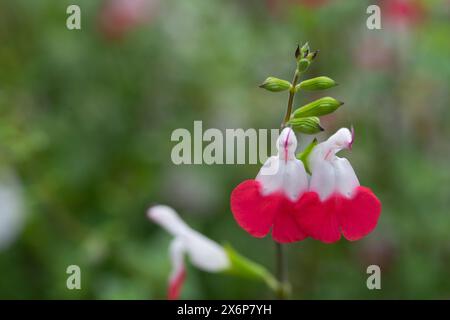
118	17
403	12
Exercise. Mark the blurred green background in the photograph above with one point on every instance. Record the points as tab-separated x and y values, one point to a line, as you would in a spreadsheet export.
86	117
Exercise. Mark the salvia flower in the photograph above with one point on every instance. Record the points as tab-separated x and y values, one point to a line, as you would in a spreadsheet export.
331	203
336	202
203	253
271	200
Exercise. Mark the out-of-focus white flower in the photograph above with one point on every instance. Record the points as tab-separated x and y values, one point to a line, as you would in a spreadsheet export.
203	253
11	211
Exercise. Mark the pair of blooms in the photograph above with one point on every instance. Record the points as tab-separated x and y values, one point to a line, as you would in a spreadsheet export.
284	199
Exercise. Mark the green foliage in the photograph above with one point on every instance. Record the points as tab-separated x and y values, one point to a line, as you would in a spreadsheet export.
85	123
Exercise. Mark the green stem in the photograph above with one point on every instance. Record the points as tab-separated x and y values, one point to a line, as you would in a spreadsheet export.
282	273
291	98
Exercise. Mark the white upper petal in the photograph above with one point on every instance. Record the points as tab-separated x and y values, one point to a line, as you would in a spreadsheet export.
284	172
323	179
346	180
342	139
167	218
287	144
204	253
330	173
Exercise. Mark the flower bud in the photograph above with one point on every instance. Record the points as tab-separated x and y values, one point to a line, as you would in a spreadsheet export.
309	125
318	107
303	64
318	83
275	84
311	56
304	51
243	267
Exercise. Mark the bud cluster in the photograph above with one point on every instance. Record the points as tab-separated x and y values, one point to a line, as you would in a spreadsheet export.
304	119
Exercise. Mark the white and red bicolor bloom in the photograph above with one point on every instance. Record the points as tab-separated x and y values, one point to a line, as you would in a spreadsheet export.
336	202
273	198
203	253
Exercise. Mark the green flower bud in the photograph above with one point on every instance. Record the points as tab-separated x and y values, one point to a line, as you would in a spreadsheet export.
318	107
304	51
312	55
308	125
303	64
275	84
243	267
318	83
304	156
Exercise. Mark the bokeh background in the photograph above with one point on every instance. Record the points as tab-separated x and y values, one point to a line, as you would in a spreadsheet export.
86	118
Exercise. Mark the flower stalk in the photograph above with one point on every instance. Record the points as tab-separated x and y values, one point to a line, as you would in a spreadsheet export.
305	119
284	290
292	92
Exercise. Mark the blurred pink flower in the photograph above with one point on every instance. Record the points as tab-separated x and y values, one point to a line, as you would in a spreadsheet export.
403	12
373	53
118	17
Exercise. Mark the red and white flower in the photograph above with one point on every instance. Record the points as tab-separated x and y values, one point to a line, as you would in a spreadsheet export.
336	202
203	253
272	199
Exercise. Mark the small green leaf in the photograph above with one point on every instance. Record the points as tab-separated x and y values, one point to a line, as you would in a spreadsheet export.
308	125
318	107
304	156
275	85
318	83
